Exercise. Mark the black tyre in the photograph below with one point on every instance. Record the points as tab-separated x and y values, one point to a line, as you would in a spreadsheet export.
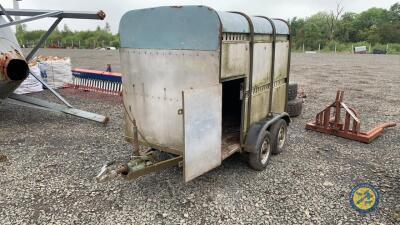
278	132
258	159
295	107
292	92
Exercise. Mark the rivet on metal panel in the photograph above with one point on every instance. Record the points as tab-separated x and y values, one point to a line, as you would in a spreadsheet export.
180	111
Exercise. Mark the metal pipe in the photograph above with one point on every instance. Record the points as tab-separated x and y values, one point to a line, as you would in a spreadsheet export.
13	66
100	15
44	15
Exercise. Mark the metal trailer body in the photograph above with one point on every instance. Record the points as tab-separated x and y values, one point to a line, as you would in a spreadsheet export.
179	61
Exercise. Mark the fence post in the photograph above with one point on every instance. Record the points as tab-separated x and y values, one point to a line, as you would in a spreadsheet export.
319	47
303	48
387	48
335	48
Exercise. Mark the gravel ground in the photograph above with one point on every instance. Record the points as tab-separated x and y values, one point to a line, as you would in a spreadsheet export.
52	159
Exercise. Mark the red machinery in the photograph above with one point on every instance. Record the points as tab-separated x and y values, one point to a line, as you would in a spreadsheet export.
328	121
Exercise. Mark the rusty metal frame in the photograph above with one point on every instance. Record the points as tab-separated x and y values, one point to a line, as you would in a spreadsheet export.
350	129
154	168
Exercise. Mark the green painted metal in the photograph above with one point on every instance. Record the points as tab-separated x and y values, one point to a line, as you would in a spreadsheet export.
186	28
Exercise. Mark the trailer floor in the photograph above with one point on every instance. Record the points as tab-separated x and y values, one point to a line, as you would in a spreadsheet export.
53	158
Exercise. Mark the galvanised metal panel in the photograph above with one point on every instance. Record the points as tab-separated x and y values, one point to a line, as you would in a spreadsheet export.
171	27
203	131
262	62
281	27
153	82
233	23
259	105
279	97
280	75
261	25
281	60
235	59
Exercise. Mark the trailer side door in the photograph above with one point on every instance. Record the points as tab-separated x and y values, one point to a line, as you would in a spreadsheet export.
202	110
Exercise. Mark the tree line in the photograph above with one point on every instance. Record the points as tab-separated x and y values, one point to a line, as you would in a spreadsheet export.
376	27
66	38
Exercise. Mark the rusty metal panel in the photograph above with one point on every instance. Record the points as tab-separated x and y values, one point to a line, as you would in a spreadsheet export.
203	130
281	60
234	59
153	82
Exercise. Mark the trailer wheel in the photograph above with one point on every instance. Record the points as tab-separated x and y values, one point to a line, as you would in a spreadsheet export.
292	91
278	133
295	107
258	159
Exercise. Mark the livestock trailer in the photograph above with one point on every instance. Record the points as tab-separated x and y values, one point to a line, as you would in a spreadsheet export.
203	84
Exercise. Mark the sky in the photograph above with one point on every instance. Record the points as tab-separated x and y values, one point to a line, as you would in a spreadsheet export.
114	9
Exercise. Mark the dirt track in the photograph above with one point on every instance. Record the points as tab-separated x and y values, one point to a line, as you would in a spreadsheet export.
53	158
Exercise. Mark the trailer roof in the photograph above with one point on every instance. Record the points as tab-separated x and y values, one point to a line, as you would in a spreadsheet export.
187	27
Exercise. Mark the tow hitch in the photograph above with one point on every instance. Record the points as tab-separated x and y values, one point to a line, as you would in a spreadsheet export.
138	166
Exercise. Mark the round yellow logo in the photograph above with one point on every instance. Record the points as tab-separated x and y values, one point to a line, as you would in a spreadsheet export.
364	198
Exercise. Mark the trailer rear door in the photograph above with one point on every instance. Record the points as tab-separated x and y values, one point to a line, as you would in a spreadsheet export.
202	109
